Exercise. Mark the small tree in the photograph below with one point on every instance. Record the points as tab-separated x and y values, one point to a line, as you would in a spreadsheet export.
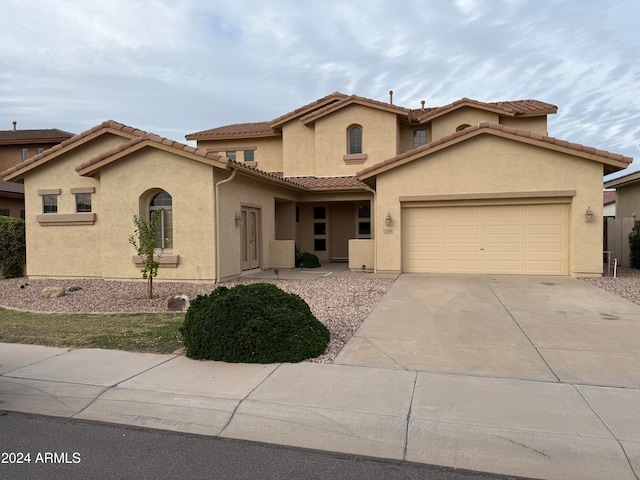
634	247
144	241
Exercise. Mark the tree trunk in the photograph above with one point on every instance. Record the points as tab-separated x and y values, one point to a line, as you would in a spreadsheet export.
150	287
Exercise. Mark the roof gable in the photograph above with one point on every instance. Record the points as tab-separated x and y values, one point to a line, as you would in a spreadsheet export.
613	160
17	172
354	100
307	109
94	165
513	108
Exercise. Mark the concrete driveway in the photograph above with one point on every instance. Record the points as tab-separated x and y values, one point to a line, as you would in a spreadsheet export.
553	329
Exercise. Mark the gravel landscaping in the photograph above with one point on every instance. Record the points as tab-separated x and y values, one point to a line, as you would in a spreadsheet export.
341	303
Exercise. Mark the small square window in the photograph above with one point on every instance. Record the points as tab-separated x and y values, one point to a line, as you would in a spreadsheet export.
364	211
320	245
419	138
49	204
364	228
40	150
230	155
83	202
248	156
319	228
319	213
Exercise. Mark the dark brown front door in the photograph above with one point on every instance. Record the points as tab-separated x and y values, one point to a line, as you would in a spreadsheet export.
343	229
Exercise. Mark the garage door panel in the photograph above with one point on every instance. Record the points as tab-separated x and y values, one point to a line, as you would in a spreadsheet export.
527	239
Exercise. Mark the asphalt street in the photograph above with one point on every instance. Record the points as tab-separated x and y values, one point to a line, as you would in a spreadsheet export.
39	447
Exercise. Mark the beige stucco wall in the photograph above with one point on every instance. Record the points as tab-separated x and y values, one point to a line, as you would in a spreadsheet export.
447	124
618	230
489	164
298	149
242	191
189	183
267	153
531	124
379	139
361	252
628	201
66	250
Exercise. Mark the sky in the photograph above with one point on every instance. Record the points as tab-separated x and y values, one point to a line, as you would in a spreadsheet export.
174	67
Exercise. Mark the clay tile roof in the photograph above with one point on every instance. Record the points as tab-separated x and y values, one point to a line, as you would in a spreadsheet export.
329	183
150	138
308	108
510	108
44	156
354	99
235	130
491	128
50	135
609	196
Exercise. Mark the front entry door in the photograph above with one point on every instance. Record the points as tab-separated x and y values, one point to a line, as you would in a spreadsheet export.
343	229
250	238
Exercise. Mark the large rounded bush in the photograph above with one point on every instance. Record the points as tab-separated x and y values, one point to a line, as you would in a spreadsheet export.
256	323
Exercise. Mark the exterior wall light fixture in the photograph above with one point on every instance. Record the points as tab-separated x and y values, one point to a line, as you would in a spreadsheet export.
387	220
588	216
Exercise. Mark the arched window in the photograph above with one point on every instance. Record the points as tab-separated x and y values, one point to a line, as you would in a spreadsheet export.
163	203
354	139
462	127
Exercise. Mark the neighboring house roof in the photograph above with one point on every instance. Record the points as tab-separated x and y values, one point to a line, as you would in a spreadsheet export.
608	197
21	137
628	179
616	161
521	108
8	189
15	173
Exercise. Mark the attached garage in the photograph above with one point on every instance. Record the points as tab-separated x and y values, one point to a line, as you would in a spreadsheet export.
520	238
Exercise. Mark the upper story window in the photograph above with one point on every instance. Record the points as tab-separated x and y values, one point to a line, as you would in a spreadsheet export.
49	203
249	156
354	139
40	150
25	154
462	127
419	138
163	203
231	155
83	203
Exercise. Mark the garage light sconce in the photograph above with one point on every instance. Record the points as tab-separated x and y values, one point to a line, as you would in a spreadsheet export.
387	220
238	219
588	216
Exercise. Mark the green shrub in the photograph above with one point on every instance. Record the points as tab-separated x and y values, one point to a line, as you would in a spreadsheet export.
256	323
13	247
309	260
634	247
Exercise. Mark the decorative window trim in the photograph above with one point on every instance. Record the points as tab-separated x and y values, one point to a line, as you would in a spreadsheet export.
83	190
49	191
165	261
65	219
355	158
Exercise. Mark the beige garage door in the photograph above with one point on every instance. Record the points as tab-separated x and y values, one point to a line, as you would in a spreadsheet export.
508	239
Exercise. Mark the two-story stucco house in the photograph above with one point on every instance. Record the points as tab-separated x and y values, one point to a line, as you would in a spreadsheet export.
466	187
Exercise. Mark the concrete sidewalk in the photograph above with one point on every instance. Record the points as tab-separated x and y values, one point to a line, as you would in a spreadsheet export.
546	424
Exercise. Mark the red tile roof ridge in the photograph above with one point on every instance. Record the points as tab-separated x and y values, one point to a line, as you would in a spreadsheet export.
511	107
498	127
311	105
350	99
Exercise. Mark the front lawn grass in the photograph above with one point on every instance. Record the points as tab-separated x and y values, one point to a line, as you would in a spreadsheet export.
135	332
